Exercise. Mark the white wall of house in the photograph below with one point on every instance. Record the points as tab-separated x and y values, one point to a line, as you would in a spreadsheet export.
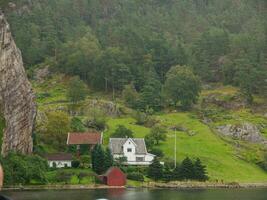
59	163
129	150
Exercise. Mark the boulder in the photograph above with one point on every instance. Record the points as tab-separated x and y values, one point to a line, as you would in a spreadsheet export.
245	131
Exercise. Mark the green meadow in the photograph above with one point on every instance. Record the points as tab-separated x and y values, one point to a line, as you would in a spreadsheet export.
221	158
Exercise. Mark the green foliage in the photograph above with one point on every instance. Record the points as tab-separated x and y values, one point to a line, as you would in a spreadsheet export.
155	170
186	170
189	170
122	132
21	169
63	177
136	176
157	134
85	160
140	118
75	163
97	119
131	96
200	171
77	125
150	97
209	49
158	152
76	91
182	86
101	160
111	51
56	129
108	159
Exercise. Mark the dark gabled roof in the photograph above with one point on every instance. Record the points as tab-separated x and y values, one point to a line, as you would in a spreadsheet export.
84	138
59	156
116	144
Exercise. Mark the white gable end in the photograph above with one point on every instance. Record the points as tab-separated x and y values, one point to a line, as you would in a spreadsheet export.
133	149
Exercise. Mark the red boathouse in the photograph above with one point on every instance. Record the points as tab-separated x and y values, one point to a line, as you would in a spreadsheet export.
114	177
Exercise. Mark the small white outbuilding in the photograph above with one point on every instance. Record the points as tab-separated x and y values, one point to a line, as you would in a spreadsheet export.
59	160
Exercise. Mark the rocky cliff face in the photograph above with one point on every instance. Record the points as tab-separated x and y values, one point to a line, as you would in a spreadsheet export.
245	131
16	95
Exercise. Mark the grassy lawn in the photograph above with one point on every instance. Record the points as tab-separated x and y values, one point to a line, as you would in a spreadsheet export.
219	156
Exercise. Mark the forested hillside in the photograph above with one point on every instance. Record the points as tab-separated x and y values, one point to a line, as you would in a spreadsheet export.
195	66
112	43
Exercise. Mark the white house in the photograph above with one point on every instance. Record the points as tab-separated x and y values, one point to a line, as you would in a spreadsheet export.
59	160
132	149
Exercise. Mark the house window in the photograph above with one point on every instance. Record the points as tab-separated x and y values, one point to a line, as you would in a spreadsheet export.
140	159
129	150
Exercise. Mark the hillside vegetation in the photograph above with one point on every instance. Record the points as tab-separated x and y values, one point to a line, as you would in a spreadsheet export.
226	159
188	65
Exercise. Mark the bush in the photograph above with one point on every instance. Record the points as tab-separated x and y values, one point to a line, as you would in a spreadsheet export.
75	163
140	118
122	132
21	169
157	152
64	177
136	176
96	120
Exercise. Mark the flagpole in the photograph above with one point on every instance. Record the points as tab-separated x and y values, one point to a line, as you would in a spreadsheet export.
175	148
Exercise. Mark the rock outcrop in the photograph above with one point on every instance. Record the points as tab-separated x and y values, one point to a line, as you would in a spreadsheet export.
246	131
16	95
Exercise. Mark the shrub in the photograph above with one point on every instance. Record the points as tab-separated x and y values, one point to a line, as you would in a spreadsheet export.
75	163
21	169
85	160
155	170
157	152
63	176
122	132
136	176
140	118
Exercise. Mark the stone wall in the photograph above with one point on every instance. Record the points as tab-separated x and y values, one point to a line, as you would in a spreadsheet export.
16	95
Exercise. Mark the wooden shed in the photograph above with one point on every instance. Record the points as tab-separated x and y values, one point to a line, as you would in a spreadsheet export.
114	177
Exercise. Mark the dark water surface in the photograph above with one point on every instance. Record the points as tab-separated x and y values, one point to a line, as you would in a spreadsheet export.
141	194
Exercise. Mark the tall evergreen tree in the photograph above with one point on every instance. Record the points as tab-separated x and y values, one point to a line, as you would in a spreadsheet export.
155	170
151	93
187	169
200	171
108	159
98	159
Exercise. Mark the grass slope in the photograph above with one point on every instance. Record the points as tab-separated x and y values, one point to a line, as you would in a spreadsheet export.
223	159
219	156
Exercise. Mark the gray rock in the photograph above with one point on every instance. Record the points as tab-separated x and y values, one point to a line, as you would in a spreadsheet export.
41	74
16	95
245	131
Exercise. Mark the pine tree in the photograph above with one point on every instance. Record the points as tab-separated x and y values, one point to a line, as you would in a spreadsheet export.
200	171
187	169
108	159
151	92
155	170
177	173
98	159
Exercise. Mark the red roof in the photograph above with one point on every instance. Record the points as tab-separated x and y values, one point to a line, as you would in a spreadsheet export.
84	138
59	156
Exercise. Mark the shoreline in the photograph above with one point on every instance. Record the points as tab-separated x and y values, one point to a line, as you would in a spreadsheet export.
151	185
